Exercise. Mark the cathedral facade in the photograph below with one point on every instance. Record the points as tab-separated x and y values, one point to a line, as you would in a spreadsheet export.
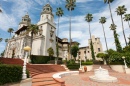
44	39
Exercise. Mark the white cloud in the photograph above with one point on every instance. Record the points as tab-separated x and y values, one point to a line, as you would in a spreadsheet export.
80	26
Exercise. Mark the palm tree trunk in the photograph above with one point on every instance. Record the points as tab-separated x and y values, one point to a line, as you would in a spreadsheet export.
105	37
123	30
129	24
57	52
111	14
91	44
70	36
31	42
89	30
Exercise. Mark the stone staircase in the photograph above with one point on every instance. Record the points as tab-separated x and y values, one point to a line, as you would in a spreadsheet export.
65	67
44	81
41	74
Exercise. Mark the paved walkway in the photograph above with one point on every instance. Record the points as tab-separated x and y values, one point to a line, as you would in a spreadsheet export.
83	80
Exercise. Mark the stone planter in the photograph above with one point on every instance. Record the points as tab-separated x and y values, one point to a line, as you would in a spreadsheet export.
89	67
118	68
26	82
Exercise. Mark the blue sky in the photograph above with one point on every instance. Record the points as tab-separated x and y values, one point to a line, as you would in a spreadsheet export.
14	10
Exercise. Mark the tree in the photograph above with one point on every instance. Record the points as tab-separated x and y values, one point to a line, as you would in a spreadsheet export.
120	11
0	11
117	43
59	13
127	18
89	18
74	51
1	39
10	30
50	51
70	5
103	56
102	21
34	30
6	40
2	54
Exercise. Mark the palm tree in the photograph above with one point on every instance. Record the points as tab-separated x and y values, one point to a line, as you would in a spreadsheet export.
34	30
70	5
118	46
1	39
59	13
120	11
10	30
0	11
6	40
102	21
117	43
89	18
108	2
127	18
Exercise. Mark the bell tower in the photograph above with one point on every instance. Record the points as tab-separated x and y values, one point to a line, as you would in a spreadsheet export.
48	27
47	13
25	21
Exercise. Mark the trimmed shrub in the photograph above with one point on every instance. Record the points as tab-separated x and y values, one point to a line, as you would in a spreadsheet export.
53	62
73	66
10	73
37	59
87	63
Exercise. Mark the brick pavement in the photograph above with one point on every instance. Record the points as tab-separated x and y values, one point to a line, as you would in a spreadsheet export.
83	80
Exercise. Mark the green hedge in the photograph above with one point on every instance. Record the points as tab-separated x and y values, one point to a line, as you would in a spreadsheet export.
53	62
116	63
10	73
37	59
87	63
73	66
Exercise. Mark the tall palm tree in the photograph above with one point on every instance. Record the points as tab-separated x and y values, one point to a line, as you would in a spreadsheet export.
59	13
120	11
33	29
127	18
108	2
118	46
1	39
117	43
102	21
89	18
10	30
70	5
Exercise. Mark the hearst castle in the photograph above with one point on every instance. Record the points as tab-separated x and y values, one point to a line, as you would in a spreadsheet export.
45	38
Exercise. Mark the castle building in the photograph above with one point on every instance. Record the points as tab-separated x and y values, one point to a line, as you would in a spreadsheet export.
44	39
85	52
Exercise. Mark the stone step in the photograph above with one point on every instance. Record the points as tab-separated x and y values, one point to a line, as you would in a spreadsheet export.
42	79
44	83
54	85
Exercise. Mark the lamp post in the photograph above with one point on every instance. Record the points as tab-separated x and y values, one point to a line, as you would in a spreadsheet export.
124	61
80	62
27	49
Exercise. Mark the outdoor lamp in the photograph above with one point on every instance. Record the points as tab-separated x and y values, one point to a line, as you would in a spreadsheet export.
27	49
